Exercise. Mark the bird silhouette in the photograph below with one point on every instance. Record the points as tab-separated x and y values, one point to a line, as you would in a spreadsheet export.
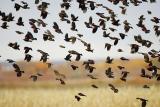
144	102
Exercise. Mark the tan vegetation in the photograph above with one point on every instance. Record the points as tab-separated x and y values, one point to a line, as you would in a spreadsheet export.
64	97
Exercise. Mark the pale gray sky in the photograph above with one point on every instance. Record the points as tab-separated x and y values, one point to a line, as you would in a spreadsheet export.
97	41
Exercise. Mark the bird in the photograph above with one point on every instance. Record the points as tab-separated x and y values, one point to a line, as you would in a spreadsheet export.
109	73
73	26
48	36
68	57
28	57
124	75
33	77
113	88
17	6
120	67
44	56
77	98
144	102
81	94
74	18
59	74
123	11
18	71
56	28
109	60
122	35
74	67
19	32
124	59
27	49
146	86
108	46
61	81
91	76
10	61
29	37
94	86
4	25
14	46
20	22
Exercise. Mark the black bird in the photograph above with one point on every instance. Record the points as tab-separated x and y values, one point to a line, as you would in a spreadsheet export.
88	45
94	86
41	22
59	74
124	59
33	77
92	4
44	14
61	81
113	88
74	18
14	45
10	61
94	28
74	67
144	102
28	57
17	70
120	50
122	35
134	48
68	57
109	60
106	34
20	22
108	46
123	11
27	49
65	5
17	6
155	20
48	36
29	37
44	56
112	29
77	98
4	25
146	57
115	40
71	39
124	75
121	67
91	76
91	68
109	73
78	55
81	94
56	28
146	86
19	32
73	26
34	28
36	1
143	72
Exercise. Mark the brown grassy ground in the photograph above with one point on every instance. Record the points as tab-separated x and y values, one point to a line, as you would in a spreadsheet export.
47	92
64	97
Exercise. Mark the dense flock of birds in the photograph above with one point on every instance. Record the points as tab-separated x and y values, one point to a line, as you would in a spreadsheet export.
71	20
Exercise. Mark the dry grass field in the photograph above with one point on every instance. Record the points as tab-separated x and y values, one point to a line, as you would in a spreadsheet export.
47	92
64	97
